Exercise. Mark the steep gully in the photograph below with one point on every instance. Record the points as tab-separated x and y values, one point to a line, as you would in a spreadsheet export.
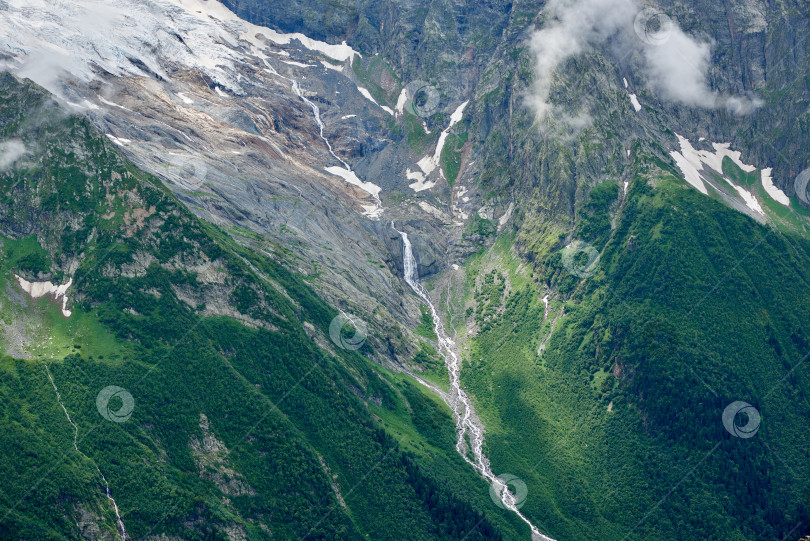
469	429
121	527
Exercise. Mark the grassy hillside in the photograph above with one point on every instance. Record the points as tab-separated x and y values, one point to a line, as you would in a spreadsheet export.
609	405
245	420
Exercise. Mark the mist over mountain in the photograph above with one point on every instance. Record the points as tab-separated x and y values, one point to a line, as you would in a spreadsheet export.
404	269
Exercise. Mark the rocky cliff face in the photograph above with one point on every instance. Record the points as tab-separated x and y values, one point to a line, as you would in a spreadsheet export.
481	52
315	146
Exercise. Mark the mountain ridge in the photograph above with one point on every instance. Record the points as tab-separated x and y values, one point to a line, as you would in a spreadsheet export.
616	273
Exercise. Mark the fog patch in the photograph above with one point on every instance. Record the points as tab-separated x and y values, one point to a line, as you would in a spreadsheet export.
10	151
674	64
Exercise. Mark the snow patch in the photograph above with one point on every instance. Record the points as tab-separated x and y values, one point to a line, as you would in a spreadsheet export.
341	52
691	162
428	164
506	215
713	159
298	64
420	182
401	101
329	65
371	211
750	201
457	115
777	194
186	99
349	176
118	141
634	101
690	168
40	289
430	209
366	94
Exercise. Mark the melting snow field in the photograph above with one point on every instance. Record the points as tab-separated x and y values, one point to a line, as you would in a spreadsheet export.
40	289
49	41
118	141
52	42
429	163
372	211
693	163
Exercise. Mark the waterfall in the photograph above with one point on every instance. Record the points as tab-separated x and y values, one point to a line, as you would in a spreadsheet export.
469	429
76	446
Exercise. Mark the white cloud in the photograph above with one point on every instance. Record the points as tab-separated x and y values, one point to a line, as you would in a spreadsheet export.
571	26
10	152
677	69
675	64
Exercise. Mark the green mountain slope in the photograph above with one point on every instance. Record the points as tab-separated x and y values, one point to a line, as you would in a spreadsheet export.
603	388
609	404
245	421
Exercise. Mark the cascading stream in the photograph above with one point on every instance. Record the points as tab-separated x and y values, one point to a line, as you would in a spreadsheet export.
347	174
469	429
121	527
316	112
